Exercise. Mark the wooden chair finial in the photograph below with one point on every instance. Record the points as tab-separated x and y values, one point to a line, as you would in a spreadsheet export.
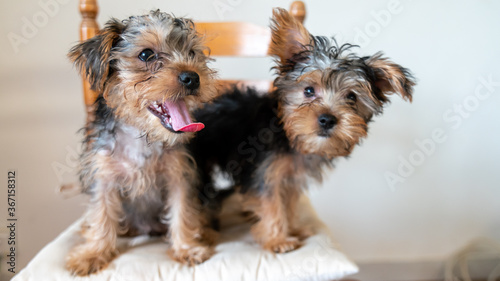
89	9
298	10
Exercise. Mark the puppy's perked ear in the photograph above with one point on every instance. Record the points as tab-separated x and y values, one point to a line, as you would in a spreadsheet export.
390	78
93	56
288	36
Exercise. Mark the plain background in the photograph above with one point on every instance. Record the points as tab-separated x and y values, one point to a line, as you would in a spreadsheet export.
450	198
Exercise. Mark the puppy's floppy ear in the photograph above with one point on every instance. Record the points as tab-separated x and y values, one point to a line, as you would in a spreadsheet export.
92	57
390	78
288	36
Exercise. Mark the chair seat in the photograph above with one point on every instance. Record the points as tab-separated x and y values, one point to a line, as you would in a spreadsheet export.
237	257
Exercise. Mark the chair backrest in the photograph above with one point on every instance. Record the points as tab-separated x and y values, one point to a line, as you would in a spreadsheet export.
232	39
241	39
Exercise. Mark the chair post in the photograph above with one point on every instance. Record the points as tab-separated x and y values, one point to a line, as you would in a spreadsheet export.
88	29
298	11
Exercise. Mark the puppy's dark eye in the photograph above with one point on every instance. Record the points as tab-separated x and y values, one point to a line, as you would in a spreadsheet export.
309	92
192	54
147	55
352	97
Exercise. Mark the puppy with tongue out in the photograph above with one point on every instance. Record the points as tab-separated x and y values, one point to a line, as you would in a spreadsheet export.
150	72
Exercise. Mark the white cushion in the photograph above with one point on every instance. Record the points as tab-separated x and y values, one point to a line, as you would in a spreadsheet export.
237	257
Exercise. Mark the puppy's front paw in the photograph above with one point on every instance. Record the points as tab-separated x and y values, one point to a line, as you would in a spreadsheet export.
283	245
191	255
84	260
209	236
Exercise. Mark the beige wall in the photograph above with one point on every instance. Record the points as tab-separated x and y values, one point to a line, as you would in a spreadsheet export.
450	198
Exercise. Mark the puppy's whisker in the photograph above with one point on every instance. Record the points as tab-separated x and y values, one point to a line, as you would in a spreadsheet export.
140	82
307	104
142	135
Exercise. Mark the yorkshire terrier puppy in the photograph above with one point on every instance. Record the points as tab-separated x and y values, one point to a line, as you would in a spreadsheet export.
150	73
269	145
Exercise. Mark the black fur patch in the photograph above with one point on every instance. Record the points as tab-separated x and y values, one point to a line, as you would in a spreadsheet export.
242	129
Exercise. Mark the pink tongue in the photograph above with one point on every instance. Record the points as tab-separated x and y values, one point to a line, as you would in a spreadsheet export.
181	121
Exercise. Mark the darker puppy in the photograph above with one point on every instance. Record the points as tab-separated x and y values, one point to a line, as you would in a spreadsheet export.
269	145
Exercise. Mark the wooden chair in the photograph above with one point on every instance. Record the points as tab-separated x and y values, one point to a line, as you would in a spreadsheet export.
226	39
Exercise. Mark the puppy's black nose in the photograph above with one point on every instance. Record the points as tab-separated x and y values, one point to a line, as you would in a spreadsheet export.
327	121
190	80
